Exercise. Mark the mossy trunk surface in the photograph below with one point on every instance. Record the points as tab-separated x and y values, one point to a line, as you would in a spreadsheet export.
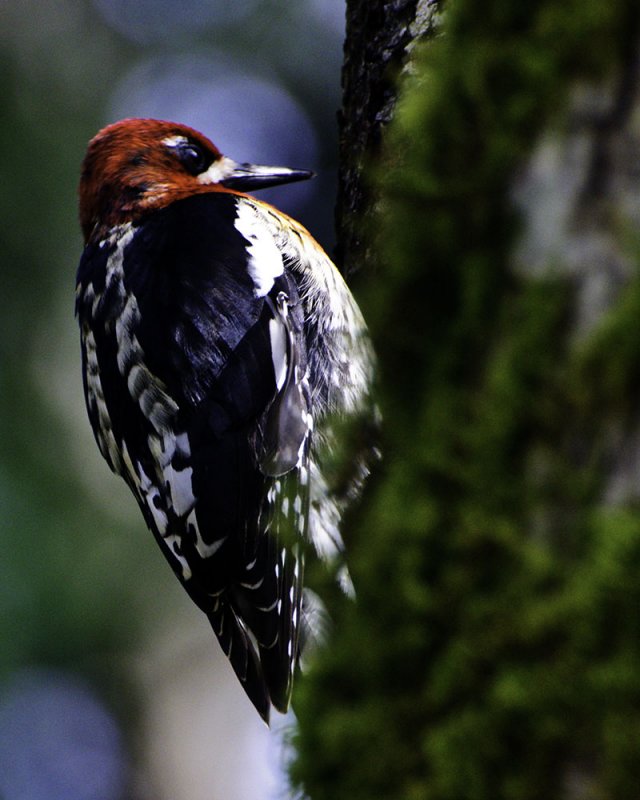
494	647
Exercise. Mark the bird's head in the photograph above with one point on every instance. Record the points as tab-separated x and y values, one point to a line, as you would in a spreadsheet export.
138	165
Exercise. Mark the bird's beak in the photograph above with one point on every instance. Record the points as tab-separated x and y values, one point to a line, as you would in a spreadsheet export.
250	177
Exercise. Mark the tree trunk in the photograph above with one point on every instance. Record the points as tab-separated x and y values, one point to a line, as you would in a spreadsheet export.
494	647
379	38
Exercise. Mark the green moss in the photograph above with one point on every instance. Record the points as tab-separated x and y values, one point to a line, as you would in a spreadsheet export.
494	651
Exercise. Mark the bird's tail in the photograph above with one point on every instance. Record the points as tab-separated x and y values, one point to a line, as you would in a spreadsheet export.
239	648
280	657
268	601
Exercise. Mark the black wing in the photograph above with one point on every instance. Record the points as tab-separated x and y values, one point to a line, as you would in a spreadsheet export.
196	390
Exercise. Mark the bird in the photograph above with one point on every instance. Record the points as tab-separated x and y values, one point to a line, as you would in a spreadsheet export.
221	352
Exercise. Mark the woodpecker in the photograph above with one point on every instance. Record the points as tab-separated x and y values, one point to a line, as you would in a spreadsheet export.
220	346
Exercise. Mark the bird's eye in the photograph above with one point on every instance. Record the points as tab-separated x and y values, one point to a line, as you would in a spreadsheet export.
193	158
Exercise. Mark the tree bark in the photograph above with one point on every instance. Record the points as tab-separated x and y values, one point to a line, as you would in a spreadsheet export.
379	39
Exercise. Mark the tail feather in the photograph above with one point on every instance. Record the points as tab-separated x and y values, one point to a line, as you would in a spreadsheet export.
271	610
238	646
279	658
259	615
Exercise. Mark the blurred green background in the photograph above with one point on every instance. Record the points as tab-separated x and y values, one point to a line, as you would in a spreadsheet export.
91	620
494	651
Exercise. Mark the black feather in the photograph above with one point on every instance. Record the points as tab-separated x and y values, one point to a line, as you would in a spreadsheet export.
185	405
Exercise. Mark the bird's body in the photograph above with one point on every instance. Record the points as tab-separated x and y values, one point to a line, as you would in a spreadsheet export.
218	342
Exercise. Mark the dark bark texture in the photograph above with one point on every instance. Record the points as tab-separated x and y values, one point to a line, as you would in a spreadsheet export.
379	39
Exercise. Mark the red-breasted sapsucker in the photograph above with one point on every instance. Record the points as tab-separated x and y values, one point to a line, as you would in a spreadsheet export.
219	346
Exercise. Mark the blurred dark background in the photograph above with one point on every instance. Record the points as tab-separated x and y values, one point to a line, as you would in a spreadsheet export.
111	684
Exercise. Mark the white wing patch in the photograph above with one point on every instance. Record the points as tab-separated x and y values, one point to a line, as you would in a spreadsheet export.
179	480
264	258
288	422
278	336
179	483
